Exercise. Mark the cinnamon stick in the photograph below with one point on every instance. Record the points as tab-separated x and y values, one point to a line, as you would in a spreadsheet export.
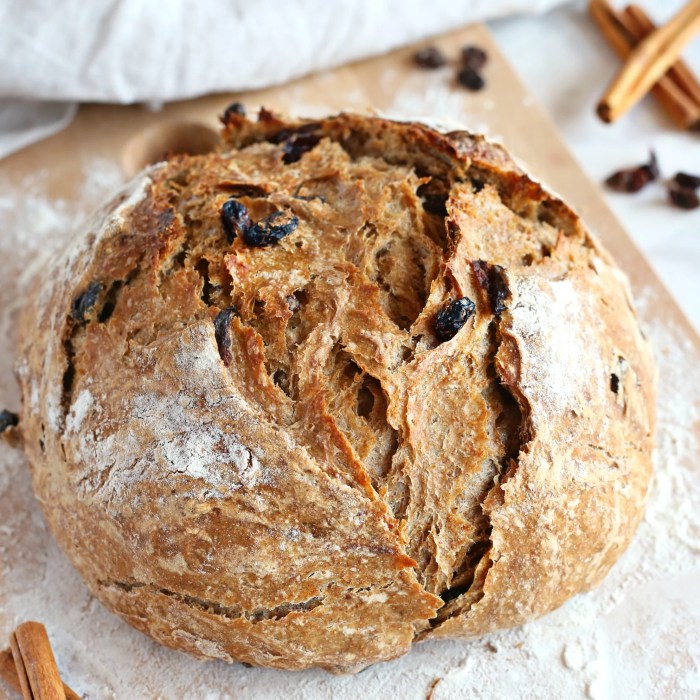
8	673
29	665
622	34
649	60
642	25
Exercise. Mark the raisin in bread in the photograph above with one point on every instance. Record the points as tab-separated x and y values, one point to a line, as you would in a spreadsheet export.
337	387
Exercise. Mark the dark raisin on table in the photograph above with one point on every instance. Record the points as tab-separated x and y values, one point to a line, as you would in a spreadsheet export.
470	79
234	219
683	197
687	180
451	317
430	57
474	57
634	179
8	419
222	333
235	109
83	304
298	144
491	279
271	229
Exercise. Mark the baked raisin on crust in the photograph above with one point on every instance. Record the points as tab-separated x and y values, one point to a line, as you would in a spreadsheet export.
251	440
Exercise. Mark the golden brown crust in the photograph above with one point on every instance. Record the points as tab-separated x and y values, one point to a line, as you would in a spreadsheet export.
267	454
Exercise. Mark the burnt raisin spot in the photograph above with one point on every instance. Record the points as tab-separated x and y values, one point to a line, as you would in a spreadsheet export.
222	333
271	229
298	144
614	383
8	419
84	304
451	317
234	219
499	289
234	110
491	279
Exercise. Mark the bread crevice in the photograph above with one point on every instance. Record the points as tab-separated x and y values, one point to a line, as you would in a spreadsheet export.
213	608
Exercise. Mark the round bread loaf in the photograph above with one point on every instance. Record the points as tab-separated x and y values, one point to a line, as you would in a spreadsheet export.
337	387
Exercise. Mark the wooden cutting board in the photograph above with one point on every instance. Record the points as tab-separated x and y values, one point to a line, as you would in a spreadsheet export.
133	135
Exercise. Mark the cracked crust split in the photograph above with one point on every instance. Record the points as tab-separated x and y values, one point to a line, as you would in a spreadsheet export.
254	445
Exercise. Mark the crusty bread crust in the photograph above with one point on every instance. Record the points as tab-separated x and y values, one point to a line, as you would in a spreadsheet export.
266	454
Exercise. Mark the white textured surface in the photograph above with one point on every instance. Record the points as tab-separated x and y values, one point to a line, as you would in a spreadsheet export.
565	62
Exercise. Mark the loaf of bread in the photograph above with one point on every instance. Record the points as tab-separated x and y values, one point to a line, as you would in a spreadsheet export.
340	386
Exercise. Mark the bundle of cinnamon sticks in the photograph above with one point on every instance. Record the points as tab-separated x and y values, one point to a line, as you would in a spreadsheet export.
29	665
652	63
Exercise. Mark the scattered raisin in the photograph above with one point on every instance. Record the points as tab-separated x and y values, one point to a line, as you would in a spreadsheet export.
634	179
470	79
431	57
85	302
614	383
7	420
235	109
298	144
687	180
271	229
235	219
491	279
474	57
222	333
683	197
452	317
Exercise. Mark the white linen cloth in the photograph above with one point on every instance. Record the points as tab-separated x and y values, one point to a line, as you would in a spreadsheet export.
128	51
